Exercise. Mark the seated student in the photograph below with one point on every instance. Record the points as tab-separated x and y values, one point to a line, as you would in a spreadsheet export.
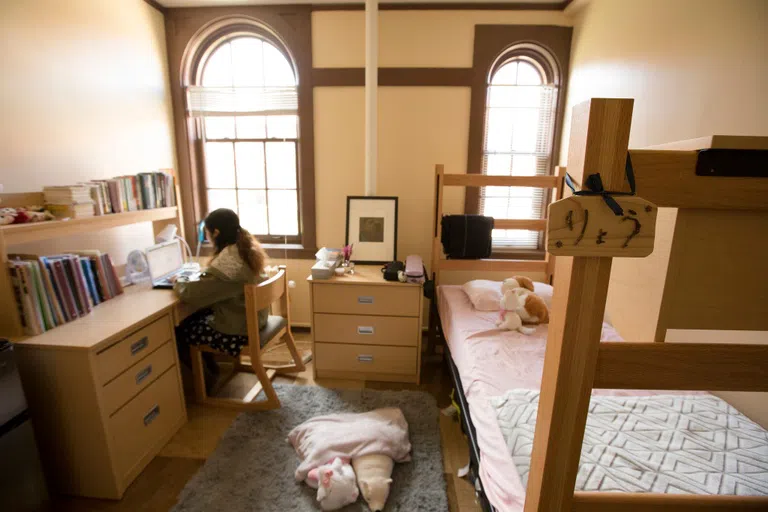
219	294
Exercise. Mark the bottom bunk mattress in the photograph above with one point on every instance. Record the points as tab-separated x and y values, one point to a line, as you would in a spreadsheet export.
676	444
491	362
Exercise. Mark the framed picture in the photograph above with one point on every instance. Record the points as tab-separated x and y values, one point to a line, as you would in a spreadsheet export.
372	228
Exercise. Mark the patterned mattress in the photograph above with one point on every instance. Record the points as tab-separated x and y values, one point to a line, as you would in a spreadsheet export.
684	444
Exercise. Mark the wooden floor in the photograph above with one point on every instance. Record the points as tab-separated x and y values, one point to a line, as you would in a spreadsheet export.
156	489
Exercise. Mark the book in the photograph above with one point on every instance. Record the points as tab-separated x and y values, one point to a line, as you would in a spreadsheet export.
53	293
89	281
82	286
66	194
75	286
31	312
72	211
18	294
115	197
101	272
48	301
114	281
40	295
65	290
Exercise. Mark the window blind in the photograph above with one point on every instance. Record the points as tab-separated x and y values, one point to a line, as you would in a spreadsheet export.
226	101
518	139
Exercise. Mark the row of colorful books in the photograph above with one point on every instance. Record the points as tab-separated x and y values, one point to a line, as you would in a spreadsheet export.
122	194
53	290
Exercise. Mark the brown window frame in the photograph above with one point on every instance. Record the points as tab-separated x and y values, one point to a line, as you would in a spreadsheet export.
194	33
494	46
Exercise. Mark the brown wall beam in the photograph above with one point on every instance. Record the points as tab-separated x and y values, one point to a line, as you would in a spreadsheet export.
408	77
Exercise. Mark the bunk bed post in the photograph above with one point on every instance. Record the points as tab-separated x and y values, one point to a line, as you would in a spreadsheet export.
598	144
557	194
436	254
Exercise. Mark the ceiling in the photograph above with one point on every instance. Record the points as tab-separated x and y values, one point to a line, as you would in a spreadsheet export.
211	3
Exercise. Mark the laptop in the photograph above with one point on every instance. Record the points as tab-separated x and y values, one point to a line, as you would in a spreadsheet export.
166	261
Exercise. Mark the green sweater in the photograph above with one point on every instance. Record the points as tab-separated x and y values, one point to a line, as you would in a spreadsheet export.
221	288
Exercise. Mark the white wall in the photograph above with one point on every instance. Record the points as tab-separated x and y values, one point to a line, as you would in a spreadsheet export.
84	94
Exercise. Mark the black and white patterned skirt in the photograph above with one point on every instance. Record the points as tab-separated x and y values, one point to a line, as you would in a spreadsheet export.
196	330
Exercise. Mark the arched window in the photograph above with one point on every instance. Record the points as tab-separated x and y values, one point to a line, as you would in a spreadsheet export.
519	133
245	92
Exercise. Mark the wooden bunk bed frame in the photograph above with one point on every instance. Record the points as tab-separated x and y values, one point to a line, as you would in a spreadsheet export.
575	359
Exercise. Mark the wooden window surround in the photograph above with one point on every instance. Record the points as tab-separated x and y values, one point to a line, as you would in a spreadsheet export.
494	45
191	35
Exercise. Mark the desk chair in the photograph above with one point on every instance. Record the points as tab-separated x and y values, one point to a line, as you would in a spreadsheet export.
257	297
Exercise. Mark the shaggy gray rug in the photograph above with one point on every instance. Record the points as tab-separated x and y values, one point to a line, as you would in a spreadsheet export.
252	468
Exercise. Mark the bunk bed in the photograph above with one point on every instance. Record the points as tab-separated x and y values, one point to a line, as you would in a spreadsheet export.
721	211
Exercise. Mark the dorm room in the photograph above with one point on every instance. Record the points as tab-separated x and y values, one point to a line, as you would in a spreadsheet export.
278	255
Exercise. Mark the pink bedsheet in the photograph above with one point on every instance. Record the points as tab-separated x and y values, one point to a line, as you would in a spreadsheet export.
491	361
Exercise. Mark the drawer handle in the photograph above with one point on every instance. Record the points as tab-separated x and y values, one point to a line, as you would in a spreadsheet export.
365	299
361	329
151	415
365	358
143	374
139	345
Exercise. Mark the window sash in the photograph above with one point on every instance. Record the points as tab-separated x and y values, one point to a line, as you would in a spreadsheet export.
534	158
264	237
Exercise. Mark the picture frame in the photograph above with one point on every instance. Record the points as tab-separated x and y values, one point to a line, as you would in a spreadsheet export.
372	229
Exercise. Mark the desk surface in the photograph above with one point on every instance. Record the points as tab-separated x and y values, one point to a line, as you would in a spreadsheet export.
108	322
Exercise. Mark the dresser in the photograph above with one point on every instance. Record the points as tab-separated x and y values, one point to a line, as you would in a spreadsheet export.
104	392
366	328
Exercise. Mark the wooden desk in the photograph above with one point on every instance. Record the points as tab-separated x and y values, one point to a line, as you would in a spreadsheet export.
105	391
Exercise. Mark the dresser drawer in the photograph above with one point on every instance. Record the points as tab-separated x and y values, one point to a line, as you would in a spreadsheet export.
367	330
365	358
144	421
129	383
366	300
124	354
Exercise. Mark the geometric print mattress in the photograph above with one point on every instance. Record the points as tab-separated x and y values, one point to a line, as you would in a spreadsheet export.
678	444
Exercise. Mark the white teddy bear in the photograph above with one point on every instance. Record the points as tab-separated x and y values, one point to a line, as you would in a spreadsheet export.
509	318
336	484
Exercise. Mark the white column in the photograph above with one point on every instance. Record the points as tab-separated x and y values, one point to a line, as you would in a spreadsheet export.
371	85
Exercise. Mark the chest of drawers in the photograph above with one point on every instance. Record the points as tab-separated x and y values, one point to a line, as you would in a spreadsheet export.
366	328
104	393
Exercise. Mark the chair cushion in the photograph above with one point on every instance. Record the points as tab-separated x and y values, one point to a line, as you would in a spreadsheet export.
274	324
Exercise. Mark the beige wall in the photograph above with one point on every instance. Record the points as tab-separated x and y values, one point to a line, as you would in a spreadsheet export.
84	94
418	126
694	68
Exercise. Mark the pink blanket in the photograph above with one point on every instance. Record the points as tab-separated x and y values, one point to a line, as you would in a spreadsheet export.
348	435
490	362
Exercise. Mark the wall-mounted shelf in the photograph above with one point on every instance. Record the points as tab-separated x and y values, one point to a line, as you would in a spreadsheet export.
10	321
22	233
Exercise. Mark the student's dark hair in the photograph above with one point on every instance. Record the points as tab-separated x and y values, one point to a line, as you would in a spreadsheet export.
230	232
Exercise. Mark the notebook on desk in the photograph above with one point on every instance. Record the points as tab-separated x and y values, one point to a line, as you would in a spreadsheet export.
166	264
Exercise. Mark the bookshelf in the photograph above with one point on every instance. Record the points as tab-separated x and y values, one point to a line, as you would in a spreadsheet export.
11	235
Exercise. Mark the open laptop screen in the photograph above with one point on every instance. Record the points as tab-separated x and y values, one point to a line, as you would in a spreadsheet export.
164	258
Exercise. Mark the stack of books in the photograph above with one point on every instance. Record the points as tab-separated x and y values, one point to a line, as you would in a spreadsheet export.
53	290
72	201
122	194
141	192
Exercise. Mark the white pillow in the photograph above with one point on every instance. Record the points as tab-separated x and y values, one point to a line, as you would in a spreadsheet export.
484	295
544	291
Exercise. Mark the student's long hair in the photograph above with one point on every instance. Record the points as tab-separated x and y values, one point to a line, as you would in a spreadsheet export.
230	232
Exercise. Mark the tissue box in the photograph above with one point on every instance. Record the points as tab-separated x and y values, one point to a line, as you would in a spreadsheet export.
327	261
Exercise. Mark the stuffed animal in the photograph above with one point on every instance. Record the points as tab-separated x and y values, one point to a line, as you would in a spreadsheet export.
516	282
531	308
335	483
374	477
7	216
509	318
